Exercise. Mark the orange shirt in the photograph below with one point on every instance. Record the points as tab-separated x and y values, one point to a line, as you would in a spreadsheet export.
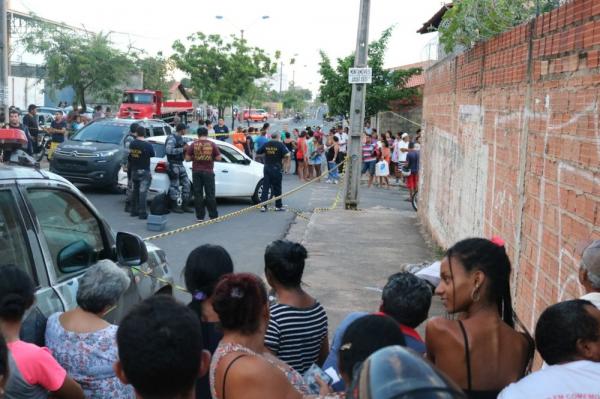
239	139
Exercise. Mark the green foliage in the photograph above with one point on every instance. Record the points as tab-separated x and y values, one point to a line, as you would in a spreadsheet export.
156	70
221	71
87	62
295	98
471	21
386	85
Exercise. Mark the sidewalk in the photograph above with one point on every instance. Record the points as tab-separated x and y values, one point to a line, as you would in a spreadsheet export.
351	254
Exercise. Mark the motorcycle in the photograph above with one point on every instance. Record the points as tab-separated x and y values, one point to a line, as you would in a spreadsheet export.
43	145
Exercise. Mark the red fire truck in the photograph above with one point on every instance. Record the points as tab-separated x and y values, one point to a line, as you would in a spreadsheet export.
141	104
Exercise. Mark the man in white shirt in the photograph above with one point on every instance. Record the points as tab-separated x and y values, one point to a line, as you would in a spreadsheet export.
589	273
402	148
567	335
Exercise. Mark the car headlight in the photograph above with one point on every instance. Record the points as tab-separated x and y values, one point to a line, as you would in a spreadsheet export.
109	153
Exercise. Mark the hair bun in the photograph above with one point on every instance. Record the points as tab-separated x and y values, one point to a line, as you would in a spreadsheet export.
298	252
12	305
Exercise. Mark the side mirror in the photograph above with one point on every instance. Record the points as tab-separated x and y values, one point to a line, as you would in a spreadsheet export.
245	161
75	257
131	249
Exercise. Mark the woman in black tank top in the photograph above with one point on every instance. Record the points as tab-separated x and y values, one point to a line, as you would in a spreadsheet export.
482	351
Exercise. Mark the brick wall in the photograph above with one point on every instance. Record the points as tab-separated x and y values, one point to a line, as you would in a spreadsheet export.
512	148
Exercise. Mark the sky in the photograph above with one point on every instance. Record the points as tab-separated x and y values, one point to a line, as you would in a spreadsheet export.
293	27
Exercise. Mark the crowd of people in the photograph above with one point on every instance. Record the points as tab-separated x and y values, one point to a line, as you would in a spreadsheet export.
241	338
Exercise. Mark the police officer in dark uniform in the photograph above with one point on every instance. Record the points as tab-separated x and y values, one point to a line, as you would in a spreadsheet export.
175	148
128	140
140	153
274	151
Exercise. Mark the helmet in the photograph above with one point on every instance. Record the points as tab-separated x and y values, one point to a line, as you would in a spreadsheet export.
399	373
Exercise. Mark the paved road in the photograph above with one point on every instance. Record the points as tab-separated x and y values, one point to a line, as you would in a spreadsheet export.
246	236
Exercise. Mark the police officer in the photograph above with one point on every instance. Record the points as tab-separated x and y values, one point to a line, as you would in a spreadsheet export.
128	140
175	148
274	152
139	156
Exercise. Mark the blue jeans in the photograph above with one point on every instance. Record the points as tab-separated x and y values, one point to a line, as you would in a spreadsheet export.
141	183
333	171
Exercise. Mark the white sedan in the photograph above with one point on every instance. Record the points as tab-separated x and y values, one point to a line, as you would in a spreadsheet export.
236	175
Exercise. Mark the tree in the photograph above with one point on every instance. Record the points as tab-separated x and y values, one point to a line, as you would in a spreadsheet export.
386	86
471	21
156	70
221	71
295	98
85	61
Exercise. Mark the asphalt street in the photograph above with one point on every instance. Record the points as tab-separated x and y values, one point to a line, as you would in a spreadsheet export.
245	236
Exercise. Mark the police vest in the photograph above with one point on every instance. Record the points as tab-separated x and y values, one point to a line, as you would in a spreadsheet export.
175	158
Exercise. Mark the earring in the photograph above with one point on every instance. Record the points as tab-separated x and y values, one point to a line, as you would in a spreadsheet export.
475	296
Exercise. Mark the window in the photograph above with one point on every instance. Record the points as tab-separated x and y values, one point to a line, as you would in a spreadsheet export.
158	131
72	232
168	129
159	149
232	155
14	248
138	98
102	133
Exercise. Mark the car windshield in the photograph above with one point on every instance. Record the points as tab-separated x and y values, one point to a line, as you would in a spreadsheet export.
138	98
102	133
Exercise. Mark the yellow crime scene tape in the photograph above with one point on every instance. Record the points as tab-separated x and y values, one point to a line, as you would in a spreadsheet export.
231	215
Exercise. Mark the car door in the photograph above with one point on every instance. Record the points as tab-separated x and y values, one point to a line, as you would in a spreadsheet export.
73	237
224	176
241	181
19	247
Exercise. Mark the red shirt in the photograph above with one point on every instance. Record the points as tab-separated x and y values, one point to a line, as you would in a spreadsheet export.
203	153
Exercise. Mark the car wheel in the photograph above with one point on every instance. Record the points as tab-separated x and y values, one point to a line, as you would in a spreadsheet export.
113	186
258	193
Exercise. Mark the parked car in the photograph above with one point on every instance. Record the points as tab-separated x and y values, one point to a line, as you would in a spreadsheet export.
256	115
48	228
236	175
94	154
46	115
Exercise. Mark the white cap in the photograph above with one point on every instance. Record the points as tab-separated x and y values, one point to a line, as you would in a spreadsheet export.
404	135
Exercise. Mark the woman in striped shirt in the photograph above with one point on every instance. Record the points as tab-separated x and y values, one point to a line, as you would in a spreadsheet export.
297	331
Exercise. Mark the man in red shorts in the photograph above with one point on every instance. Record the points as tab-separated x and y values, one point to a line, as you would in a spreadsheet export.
412	163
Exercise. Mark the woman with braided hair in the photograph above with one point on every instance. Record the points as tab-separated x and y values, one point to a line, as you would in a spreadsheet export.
481	351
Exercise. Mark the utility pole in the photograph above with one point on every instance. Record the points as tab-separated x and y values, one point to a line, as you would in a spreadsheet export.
4	59
280	77
357	110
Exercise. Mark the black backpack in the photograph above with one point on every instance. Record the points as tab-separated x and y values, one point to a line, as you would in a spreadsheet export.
159	205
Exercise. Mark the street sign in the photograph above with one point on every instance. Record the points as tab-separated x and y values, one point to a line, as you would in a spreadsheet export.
360	75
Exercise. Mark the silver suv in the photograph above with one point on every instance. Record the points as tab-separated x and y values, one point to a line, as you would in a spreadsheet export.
54	233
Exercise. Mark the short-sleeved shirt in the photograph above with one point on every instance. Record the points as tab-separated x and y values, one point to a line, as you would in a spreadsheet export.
203	153
412	338
578	379
295	335
220	130
88	358
402	155
412	158
259	141
367	152
274	152
33	372
140	152
239	140
58	137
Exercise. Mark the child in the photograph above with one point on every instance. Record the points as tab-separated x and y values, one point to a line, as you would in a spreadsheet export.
382	170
